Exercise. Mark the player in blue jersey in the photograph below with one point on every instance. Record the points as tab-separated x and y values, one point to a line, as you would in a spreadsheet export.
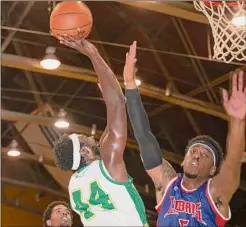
201	195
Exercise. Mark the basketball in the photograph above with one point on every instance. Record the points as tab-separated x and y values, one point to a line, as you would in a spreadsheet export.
68	17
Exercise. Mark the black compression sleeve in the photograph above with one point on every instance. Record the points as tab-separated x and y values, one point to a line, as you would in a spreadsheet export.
149	147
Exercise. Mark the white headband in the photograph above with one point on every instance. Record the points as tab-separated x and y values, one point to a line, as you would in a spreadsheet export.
76	151
207	147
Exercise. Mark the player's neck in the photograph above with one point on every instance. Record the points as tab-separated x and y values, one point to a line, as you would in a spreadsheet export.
191	184
89	161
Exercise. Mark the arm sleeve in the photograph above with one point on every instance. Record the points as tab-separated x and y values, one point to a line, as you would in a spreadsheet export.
149	147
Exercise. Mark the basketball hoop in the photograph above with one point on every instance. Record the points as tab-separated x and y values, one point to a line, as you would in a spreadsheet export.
228	22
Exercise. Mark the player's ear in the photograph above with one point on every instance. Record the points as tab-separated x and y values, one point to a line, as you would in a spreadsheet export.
48	222
212	171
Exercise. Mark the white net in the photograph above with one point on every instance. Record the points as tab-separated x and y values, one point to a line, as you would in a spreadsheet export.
228	23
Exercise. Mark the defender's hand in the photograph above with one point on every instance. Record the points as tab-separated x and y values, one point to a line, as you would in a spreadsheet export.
130	69
235	105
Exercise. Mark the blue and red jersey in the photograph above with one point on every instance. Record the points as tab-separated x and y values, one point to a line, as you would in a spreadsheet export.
181	207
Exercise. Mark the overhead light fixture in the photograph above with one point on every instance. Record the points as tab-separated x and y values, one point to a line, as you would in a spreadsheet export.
13	150
50	61
239	21
62	121
168	90
138	82
93	130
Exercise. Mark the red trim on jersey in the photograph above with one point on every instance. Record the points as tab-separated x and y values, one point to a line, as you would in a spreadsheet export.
184	189
220	219
159	205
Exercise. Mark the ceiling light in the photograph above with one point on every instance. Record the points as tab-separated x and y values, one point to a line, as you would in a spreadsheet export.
93	129
13	153
50	61
62	121
13	150
61	124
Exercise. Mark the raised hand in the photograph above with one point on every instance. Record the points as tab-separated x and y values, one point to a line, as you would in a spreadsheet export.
130	69
235	105
80	44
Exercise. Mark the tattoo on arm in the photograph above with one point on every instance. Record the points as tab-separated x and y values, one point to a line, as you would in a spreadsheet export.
161	176
169	171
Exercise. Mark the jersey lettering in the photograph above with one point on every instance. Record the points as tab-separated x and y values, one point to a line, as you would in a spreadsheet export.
182	206
183	222
80	206
98	197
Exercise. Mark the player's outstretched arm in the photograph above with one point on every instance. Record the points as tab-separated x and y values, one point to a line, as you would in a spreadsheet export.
113	144
105	132
158	169
225	184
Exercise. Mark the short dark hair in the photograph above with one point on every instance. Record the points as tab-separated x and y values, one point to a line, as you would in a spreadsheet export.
211	141
49	209
63	150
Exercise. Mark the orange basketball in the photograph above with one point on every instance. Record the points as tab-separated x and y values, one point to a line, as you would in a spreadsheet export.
67	17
